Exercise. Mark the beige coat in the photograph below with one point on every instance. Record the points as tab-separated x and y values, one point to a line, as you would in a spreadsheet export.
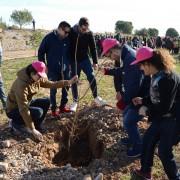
22	91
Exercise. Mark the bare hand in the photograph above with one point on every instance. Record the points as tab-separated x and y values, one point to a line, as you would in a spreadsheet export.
73	80
37	135
118	96
137	101
95	66
143	110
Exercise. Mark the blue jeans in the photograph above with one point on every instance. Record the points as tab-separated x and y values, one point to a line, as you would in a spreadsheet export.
162	131
2	94
86	66
130	119
64	97
38	110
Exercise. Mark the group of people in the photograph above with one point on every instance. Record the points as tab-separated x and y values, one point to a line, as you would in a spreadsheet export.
146	88
172	44
66	52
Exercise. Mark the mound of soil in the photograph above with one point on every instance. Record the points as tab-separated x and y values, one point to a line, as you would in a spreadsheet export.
71	148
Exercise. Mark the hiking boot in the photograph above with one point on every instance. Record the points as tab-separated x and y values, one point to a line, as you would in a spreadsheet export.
64	110
138	175
135	151
73	107
99	101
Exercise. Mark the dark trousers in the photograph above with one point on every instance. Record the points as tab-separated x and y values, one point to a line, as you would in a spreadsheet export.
161	131
64	96
38	110
86	66
2	94
177	132
130	119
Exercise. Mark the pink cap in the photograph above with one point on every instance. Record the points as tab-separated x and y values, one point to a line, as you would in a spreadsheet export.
143	54
40	67
109	43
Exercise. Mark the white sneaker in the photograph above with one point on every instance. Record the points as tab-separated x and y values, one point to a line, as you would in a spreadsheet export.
10	123
73	106
99	101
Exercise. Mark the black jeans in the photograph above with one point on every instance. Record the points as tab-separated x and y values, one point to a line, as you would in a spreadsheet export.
38	110
161	131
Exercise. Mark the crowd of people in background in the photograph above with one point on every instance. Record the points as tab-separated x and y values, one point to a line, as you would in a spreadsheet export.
172	44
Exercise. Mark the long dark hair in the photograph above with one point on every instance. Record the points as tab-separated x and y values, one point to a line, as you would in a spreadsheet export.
30	70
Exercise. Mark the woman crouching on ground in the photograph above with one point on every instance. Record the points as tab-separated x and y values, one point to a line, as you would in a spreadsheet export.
160	107
28	114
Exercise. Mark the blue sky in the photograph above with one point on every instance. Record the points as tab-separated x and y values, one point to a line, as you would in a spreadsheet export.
160	14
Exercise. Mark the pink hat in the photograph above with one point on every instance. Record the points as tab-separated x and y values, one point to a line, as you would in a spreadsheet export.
40	67
143	54
109	43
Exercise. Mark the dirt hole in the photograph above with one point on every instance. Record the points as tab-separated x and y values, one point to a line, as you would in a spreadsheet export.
78	145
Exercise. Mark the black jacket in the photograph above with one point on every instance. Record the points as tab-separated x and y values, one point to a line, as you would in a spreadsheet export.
81	45
164	90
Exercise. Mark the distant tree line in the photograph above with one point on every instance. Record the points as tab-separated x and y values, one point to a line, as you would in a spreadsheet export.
126	27
24	17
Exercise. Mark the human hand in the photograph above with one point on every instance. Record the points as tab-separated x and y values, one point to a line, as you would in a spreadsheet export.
73	80
118	96
95	66
37	135
143	110
137	101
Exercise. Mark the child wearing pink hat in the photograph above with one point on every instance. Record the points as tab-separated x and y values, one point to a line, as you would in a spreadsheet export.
28	114
129	82
160	107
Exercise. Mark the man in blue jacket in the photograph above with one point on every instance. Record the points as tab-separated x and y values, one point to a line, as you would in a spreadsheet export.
54	51
128	83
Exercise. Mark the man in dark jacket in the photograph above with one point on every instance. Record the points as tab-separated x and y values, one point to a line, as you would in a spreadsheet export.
83	43
128	83
54	51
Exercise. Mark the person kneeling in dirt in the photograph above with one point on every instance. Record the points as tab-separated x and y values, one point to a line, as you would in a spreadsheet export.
128	84
28	114
160	106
